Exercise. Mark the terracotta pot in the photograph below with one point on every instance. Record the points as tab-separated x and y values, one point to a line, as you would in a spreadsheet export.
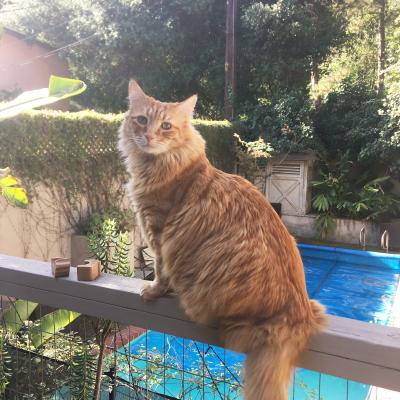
79	249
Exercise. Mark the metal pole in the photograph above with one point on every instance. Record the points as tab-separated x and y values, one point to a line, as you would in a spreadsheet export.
230	54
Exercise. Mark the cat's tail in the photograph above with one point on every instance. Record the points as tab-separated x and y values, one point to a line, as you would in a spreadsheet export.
272	350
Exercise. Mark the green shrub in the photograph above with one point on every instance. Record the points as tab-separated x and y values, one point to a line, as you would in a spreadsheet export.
220	142
339	195
283	120
348	121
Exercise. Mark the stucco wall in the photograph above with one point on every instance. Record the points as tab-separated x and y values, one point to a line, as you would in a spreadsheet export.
21	66
40	232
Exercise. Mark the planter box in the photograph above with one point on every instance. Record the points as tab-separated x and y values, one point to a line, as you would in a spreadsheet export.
79	249
346	231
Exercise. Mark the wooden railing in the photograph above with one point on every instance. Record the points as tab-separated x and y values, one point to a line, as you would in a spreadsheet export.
347	348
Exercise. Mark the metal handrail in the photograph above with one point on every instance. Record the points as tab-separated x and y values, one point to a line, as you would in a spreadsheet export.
362	238
385	241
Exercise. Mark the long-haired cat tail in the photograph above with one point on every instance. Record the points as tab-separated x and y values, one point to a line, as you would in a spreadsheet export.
218	244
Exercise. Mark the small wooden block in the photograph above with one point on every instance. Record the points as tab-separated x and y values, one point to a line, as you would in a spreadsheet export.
89	271
60	267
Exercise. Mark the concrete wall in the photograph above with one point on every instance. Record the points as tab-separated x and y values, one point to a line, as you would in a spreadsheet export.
346	231
22	68
38	232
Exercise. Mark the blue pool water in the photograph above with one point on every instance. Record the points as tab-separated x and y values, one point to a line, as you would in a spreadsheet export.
355	284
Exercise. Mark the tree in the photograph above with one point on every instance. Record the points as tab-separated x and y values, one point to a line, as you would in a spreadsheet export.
281	42
230	59
174	48
382	46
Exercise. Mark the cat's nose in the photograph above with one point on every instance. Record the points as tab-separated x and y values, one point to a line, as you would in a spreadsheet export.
149	137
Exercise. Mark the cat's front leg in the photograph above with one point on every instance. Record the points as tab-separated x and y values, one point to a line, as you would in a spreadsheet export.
152	290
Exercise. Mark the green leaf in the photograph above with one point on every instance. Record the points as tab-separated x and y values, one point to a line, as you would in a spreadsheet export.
59	89
17	314
47	326
324	224
16	196
321	203
5	365
83	372
8	181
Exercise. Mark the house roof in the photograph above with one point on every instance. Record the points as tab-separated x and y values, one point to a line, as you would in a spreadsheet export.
301	156
27	39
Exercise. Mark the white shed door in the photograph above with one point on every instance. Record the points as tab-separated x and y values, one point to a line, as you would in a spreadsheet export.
285	186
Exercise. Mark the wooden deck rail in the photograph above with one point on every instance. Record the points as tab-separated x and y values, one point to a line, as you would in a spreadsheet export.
350	349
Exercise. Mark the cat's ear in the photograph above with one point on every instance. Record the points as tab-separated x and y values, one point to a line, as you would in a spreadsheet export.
135	92
187	106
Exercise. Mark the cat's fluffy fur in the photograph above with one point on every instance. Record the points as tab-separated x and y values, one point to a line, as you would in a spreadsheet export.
219	245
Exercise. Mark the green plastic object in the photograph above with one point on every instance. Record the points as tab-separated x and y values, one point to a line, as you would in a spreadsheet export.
59	89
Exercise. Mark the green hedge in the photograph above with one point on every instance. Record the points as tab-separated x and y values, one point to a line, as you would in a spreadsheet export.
36	145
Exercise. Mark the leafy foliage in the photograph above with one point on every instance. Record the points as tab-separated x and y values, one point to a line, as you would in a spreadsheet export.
83	371
337	195
348	121
278	41
173	47
252	156
50	373
283	121
385	148
17	318
124	220
47	326
5	364
176	48
111	247
19	312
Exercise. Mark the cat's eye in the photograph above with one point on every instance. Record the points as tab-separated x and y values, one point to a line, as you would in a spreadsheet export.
141	119
166	125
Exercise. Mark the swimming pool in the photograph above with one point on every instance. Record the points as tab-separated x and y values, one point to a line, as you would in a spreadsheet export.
350	283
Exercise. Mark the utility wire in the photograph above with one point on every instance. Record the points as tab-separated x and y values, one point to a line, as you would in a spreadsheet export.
13	10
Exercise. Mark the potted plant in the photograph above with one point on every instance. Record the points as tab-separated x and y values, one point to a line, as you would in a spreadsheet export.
92	224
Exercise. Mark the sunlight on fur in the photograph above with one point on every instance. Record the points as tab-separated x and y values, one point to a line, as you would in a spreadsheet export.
219	245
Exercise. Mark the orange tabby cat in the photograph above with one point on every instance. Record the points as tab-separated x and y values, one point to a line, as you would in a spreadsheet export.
218	244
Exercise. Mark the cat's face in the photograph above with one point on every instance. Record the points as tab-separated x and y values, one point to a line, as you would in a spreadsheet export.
155	127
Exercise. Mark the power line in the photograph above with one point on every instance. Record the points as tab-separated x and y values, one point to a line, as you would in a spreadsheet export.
13	10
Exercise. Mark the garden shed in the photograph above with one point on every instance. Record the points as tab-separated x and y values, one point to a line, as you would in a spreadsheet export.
288	182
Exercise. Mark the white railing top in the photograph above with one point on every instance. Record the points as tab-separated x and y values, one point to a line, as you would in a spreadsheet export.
347	348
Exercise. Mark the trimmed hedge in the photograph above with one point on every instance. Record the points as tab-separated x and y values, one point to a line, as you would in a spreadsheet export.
40	144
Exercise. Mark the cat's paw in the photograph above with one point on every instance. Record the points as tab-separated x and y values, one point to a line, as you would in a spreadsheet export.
152	290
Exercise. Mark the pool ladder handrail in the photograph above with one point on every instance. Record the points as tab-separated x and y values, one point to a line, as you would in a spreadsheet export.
385	241
362	238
